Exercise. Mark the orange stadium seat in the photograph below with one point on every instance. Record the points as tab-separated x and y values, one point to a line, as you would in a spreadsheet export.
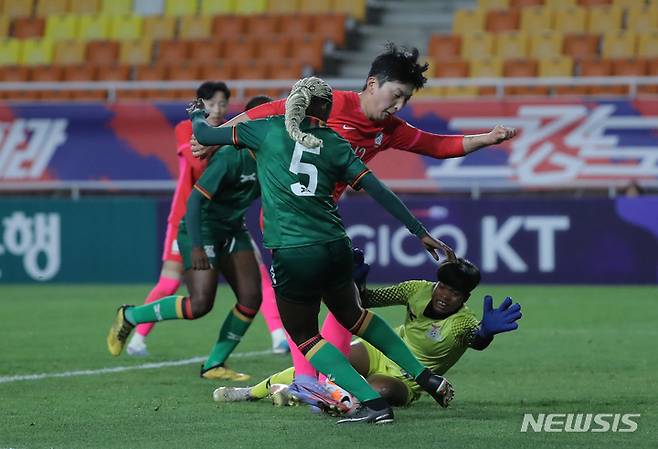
535	20
217	7
136	52
113	73
546	45
48	8
308	51
647	46
444	46
43	74
172	51
467	21
239	48
452	69
102	52
251	7
13	74
522	68
183	72
642	19
195	27
512	45
621	44
477	45
69	52
525	3
273	49
93	28
330	27
62	27
28	27
502	20
652	70
217	71
493	4
262	25
84	7
581	46
251	70
296	25
10	50
36	52
629	67
228	26
80	73
315	7
570	20
15	8
147	73
159	28
125	28
205	51
284	6
353	8
599	67
285	69
603	19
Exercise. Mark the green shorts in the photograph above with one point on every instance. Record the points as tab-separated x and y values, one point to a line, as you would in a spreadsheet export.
306	273
216	245
382	365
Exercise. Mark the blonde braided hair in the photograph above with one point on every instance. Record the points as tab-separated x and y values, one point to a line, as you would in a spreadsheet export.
296	104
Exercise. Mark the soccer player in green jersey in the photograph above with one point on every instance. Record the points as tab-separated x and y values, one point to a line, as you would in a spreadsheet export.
438	328
299	161
213	240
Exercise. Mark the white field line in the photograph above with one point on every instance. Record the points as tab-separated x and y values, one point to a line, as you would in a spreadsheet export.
120	369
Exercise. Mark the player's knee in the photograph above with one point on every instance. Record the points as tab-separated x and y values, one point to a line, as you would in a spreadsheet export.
251	300
391	390
201	306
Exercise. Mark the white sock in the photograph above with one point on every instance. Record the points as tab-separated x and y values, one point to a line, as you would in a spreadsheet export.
138	339
278	335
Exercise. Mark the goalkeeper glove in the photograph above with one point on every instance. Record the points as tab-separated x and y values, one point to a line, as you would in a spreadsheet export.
502	319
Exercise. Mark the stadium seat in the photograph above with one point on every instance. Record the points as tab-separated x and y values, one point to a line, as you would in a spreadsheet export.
49	8
511	45
251	70
522	68
467	21
559	4
497	21
69	52
17	8
599	67
93	28
621	44
330	27
80	73
652	70
4	27
284	6
147	73
285	69
642	19
626	3
206	51
535	20
274	48
217	71
315	7
251	7
13	74
125	28
444	46
493	4
102	52
10	50
36	52
308	51
629	67
217	7
581	46
116	7
183	72
137	52
486	67
28	27
239	48
647	45
296	25
353	8
476	45
557	66
451	69
525	3
546	45
84	7
113	73
159	28
570	20
173	51
604	19
262	25
179	8
62	27
195	27
228	26
594	3
43	74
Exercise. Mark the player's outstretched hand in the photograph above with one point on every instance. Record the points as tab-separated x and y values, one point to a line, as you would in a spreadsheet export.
501	133
431	245
502	319
200	259
196	107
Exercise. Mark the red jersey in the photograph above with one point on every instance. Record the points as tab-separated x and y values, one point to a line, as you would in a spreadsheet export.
367	137
189	171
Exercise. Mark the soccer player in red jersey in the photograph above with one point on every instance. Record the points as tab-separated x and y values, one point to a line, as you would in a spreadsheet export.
367	121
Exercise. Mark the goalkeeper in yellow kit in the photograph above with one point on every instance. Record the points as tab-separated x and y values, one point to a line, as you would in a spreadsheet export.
438	328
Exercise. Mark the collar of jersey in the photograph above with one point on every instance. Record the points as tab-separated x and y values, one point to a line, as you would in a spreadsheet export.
314	122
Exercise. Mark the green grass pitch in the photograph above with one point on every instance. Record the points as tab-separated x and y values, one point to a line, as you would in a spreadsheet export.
578	350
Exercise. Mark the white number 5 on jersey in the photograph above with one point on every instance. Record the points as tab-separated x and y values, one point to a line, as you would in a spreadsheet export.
298	167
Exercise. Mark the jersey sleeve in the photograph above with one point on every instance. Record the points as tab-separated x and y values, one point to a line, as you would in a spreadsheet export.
396	295
251	134
277	107
464	328
221	166
409	138
352	168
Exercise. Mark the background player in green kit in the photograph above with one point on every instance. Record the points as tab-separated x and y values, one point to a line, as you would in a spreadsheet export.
212	239
438	328
299	162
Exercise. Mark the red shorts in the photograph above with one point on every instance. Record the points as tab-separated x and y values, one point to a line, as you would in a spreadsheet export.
171	251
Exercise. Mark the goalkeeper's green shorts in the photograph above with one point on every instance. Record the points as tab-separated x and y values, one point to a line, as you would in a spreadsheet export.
382	365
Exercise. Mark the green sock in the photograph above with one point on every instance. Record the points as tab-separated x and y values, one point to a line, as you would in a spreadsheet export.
327	359
262	389
234	327
167	308
378	333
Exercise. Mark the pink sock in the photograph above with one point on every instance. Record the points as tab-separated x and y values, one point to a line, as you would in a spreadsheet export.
268	306
302	366
336	334
164	287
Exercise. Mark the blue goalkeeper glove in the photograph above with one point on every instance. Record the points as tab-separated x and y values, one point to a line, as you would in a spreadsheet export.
502	319
360	269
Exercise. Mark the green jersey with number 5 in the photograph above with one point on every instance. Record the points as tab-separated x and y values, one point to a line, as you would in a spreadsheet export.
297	182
